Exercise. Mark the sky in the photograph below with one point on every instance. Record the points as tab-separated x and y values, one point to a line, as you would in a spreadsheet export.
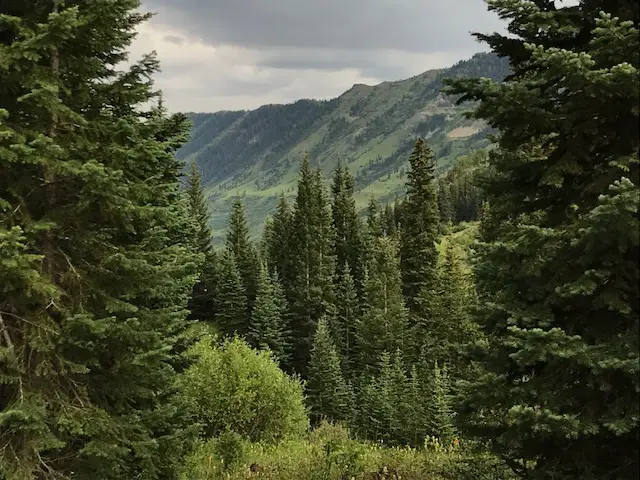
241	54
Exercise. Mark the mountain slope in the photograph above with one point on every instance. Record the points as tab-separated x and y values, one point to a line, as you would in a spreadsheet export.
257	154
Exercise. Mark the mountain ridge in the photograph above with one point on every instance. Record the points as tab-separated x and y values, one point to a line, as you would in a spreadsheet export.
256	153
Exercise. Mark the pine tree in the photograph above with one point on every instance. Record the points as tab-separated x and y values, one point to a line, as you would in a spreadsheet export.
231	316
348	242
96	258
328	393
383	324
376	410
440	411
343	323
451	327
202	304
374	223
267	328
244	253
279	242
310	294
558	278
420	221
445	207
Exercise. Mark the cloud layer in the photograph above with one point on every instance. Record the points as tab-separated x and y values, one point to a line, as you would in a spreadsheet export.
240	54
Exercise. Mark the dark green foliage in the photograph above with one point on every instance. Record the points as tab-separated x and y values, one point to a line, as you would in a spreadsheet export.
440	411
348	242
267	328
558	277
96	258
419	234
451	328
231	317
202	303
383	324
244	253
310	292
344	321
328	394
445	207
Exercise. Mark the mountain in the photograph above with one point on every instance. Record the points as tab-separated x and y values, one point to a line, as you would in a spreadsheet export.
257	154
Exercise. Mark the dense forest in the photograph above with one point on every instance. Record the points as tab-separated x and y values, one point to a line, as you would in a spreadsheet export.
485	325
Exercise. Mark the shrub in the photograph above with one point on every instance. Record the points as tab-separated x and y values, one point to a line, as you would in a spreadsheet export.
232	387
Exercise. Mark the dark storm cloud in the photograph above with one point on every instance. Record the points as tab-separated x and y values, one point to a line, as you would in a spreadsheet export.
420	26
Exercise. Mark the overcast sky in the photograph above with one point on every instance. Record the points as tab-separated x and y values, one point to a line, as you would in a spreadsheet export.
240	54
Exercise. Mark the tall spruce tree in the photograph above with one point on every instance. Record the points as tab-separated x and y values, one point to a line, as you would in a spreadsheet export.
267	328
451	328
96	259
245	255
383	323
559	276
344	321
348	242
202	304
440	412
231	316
328	393
279	241
310	294
419	233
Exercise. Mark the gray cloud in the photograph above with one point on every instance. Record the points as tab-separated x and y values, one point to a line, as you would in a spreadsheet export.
225	54
420	26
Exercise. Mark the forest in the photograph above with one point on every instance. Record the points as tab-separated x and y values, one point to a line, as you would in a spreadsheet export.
485	325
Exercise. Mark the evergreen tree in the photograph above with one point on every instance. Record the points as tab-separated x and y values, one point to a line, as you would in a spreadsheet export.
558	278
231	316
348	242
440	411
343	323
202	304
445	207
267	328
374	222
310	294
279	242
328	393
376	410
96	258
383	324
451	327
418	253
244	253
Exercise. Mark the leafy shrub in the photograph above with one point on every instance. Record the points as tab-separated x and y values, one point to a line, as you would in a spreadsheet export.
328	453
232	387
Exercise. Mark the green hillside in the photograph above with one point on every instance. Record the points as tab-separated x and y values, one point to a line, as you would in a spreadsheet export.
256	154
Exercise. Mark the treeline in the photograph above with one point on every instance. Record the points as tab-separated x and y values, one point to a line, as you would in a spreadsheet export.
364	310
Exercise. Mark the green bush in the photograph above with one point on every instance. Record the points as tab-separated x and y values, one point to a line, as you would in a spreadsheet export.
231	387
328	453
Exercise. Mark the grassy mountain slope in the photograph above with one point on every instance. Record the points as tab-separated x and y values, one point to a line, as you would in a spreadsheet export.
256	154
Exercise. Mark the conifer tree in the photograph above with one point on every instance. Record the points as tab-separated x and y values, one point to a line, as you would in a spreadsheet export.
96	257
202	304
243	251
374	223
420	221
231	317
279	242
328	393
445	207
310	294
440	411
383	324
451	328
343	323
558	278
348	242
267	328
376	410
